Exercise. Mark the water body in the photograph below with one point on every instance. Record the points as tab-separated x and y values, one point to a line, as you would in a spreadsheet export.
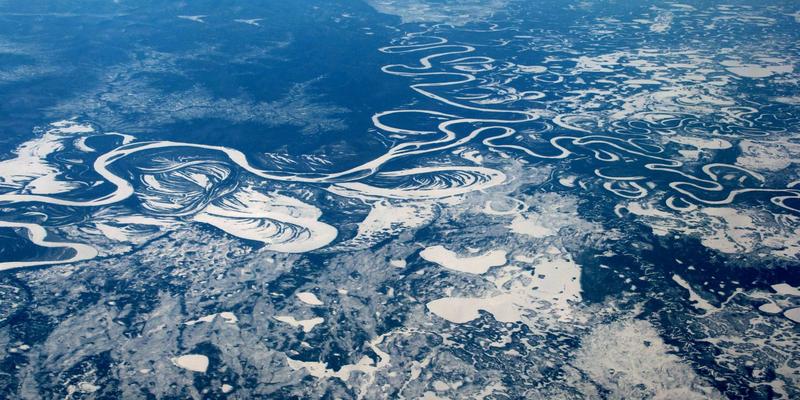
400	199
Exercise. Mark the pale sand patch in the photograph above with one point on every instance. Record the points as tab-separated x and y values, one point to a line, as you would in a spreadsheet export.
306	324
191	362
309	298
471	265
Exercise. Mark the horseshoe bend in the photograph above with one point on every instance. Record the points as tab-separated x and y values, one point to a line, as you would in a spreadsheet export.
399	199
